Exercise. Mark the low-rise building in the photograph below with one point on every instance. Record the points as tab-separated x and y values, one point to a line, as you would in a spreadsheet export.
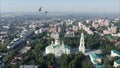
95	58
69	22
113	29
117	35
16	43
106	32
75	28
95	24
38	31
69	34
116	63
115	53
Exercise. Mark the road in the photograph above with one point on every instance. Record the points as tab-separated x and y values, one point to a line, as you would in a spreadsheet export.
87	51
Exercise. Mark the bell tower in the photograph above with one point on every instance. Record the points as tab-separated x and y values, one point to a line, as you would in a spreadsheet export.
82	43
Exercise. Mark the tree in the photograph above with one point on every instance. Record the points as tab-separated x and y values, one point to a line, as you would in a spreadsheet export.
86	65
106	49
7	58
72	60
107	64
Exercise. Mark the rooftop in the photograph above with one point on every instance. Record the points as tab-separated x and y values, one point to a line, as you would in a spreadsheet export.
111	38
118	61
98	66
59	46
115	51
95	56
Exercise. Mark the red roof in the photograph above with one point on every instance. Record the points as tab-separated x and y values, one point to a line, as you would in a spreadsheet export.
50	66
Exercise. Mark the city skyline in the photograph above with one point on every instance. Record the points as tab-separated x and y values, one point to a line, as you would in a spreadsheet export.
86	6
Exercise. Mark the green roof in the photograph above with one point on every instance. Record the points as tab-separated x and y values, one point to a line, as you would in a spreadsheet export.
66	46
99	66
95	56
116	51
118	61
58	46
111	38
94	61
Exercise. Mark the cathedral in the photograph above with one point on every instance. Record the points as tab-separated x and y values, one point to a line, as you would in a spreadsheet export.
82	44
56	47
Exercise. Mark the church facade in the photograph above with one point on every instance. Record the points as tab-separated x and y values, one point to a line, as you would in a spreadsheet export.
57	48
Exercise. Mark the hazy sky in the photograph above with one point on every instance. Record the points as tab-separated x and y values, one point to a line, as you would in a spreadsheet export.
91	6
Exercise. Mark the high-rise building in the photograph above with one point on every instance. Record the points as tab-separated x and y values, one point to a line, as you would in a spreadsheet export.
113	29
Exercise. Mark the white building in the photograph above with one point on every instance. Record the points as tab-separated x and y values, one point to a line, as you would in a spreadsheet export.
57	48
69	34
95	58
95	24
81	26
117	35
69	22
82	44
6	27
116	63
38	31
54	34
115	53
34	24
103	22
